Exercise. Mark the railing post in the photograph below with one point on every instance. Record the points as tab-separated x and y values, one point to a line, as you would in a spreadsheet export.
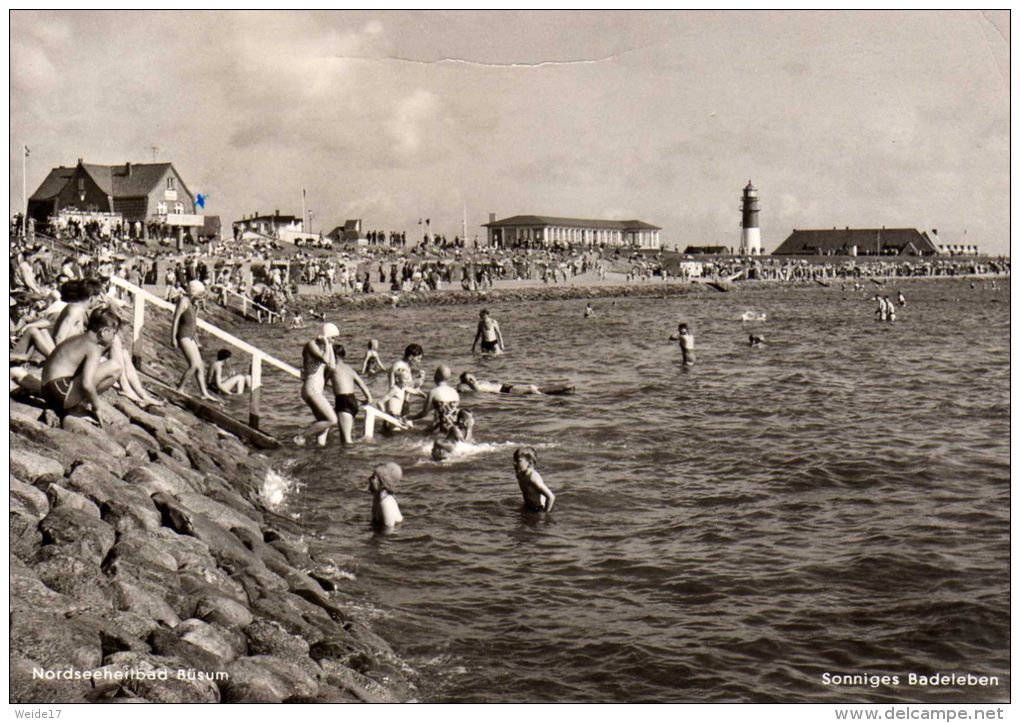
136	331
256	391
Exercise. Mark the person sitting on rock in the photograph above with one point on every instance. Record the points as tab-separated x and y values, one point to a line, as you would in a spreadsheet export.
74	375
219	379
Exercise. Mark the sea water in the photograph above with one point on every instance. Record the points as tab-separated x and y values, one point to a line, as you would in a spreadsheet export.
834	503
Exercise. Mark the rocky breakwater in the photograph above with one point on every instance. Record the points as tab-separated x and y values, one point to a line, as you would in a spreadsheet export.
145	566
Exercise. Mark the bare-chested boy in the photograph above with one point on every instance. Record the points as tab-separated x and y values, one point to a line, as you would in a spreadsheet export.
489	334
537	495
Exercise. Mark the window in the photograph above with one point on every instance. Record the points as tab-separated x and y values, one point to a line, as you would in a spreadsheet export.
171	183
178	208
161	209
81	183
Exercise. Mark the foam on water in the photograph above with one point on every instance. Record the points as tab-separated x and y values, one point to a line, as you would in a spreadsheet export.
276	487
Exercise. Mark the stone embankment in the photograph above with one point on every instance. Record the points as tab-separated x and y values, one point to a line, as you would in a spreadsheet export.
146	566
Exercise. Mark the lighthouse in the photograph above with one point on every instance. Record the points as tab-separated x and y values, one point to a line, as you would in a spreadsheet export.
750	235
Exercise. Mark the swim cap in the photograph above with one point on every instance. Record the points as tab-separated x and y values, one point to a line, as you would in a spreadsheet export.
389	476
329	330
196	288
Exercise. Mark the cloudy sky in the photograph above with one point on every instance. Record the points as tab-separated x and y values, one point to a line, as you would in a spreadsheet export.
840	119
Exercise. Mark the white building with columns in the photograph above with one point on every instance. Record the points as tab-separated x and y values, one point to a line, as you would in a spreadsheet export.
546	231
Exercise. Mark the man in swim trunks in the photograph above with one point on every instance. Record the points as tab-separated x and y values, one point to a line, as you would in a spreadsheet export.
686	339
474	384
442	401
489	334
73	374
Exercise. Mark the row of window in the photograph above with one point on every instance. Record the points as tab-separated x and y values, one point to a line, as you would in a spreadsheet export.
161	208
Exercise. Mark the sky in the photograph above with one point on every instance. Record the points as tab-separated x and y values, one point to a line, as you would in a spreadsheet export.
860	119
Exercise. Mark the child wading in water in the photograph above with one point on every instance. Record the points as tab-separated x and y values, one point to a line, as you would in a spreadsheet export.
537	496
372	364
383	485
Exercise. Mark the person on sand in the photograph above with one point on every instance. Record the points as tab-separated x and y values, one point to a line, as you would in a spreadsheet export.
73	375
442	401
316	358
489	334
383	486
686	339
184	336
220	380
472	383
537	495
372	364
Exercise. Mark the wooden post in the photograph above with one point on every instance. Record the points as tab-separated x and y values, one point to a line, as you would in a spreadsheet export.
256	391
136	331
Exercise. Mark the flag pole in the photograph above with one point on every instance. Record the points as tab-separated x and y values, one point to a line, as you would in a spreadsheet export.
302	208
24	191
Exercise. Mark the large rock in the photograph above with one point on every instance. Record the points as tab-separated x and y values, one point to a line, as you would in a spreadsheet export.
152	478
166	642
62	569
225	645
96	436
136	443
31	416
144	550
221	514
89	537
268	637
223	611
28	501
30	686
63	497
361	686
224	546
188	551
265	679
151	424
177	682
29	465
53	640
131	596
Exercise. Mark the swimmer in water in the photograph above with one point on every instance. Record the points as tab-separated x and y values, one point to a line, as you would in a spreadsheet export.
474	384
413	356
442	401
462	431
537	495
903	299
589	311
372	364
395	400
890	310
383	486
686	339
489	334
755	340
344	379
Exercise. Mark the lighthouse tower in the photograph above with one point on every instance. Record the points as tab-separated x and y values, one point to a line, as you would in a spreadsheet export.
750	235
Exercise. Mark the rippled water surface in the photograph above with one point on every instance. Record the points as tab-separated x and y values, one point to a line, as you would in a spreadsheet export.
836	501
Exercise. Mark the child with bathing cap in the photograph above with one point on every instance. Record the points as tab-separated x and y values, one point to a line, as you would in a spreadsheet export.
383	485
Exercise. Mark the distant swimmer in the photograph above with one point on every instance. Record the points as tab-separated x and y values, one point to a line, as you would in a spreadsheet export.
890	310
882	311
474	384
489	334
589	311
755	340
316	358
686	339
750	315
383	486
296	322
903	299
372	364
537	495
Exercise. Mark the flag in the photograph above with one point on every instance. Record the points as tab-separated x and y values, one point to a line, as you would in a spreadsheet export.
27	152
200	200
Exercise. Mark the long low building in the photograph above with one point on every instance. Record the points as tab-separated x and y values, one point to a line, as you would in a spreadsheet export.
859	242
540	231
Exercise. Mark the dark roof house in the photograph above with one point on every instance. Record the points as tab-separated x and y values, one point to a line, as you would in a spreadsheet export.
137	191
859	242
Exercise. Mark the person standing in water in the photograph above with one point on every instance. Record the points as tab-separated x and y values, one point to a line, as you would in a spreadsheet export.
537	495
383	486
589	311
442	401
344	379
686	339
316	358
184	336
489	334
